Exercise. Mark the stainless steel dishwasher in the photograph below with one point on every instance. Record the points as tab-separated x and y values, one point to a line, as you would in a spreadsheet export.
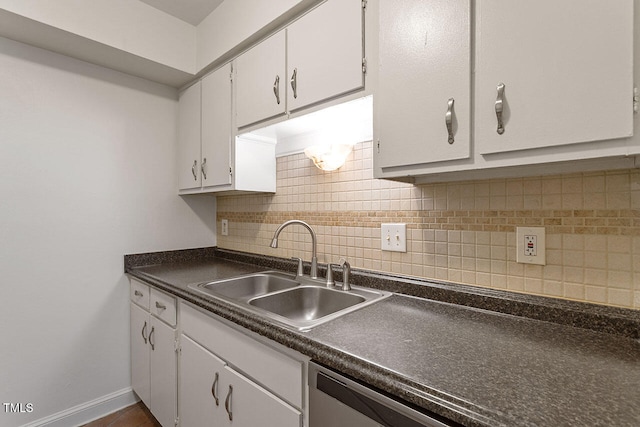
337	401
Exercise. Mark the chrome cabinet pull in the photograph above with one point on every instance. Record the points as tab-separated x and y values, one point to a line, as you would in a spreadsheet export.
204	163
193	170
448	118
500	107
227	403
276	89
153	346
294	83
160	305
214	387
137	293
144	328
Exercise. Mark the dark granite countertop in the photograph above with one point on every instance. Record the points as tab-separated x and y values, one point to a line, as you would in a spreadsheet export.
475	366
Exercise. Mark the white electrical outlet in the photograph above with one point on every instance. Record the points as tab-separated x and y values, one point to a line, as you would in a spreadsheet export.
530	245
225	227
394	237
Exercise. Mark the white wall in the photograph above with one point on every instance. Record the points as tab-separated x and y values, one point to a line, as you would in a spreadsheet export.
130	26
86	175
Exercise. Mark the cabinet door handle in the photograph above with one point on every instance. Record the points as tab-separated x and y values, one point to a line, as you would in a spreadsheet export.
153	346
214	387
204	163
193	170
227	403
449	119
160	306
276	89
144	328
500	108
294	83
137	293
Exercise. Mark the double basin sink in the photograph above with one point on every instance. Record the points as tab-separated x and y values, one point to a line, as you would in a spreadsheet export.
298	302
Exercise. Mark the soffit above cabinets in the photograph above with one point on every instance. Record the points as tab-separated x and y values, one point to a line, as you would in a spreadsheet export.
190	11
147	38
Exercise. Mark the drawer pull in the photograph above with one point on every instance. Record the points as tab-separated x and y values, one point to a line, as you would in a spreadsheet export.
144	328
276	89
138	293
449	120
160	306
153	346
214	387
227	403
500	108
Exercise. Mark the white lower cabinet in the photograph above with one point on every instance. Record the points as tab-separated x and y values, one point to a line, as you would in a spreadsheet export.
213	394
154	360
192	369
229	379
200	402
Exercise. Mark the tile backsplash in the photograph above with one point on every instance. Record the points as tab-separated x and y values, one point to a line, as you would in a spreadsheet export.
460	232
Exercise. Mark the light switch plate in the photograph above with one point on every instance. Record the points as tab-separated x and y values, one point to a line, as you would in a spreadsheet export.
530	245
225	227
394	237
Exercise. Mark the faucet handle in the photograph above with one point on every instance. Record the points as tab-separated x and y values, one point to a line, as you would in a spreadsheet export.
300	271
346	272
330	281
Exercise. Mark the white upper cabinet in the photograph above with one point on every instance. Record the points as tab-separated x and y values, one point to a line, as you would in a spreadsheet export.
551	89
261	81
423	100
211	159
325	51
217	136
189	138
566	67
315	59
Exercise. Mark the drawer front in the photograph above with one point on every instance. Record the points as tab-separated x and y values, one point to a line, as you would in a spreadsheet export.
140	294
163	307
274	370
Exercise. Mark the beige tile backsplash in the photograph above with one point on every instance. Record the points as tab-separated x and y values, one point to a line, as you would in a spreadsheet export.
461	232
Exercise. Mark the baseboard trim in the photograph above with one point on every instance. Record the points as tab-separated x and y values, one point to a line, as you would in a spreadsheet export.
89	411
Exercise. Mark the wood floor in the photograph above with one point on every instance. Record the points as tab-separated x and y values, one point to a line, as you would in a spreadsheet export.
132	416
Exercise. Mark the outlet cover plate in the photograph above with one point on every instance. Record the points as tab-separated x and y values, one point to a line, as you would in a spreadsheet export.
530	245
225	227
393	237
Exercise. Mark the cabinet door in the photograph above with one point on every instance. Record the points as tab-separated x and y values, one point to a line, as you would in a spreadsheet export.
140	369
189	138
200	388
261	81
425	65
325	52
250	405
566	67
216	127
164	373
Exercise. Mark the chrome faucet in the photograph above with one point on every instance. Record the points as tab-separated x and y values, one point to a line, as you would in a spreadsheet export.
314	257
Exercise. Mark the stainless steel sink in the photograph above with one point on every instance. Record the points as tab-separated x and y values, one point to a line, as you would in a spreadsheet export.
246	287
307	303
298	302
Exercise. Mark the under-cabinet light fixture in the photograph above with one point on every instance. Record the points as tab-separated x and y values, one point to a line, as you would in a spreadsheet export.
329	157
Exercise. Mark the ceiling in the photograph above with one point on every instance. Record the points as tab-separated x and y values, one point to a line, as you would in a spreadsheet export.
191	11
